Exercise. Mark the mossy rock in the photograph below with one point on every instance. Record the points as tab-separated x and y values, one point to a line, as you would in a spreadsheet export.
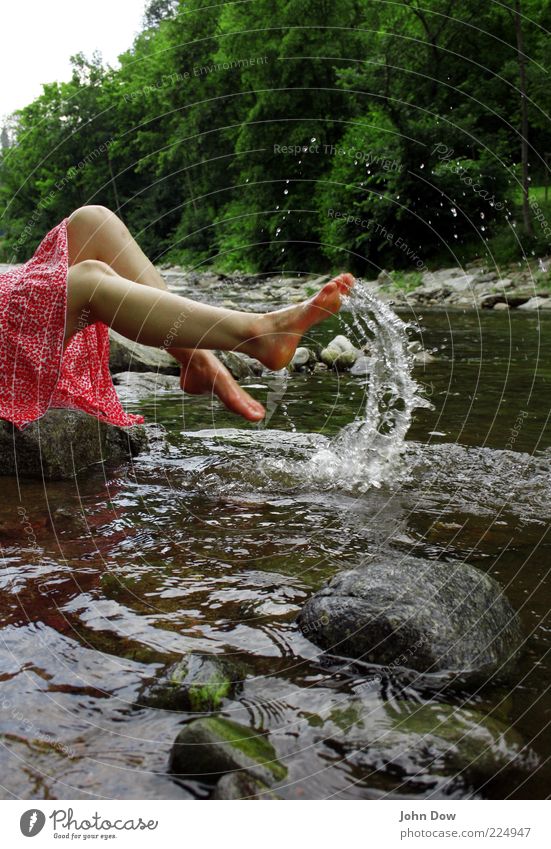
210	747
405	741
340	353
195	683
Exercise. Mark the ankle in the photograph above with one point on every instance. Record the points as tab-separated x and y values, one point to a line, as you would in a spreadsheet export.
252	330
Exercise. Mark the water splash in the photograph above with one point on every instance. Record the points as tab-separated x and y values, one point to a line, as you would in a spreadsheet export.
369	451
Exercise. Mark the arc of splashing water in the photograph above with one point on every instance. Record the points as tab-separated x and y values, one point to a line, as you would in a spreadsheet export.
368	451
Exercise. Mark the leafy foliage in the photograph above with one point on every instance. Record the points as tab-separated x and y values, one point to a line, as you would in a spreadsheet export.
291	135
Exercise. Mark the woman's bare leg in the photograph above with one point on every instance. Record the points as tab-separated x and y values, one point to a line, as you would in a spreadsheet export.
95	232
162	319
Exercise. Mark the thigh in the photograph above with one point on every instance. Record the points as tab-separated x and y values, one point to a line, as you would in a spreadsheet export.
82	279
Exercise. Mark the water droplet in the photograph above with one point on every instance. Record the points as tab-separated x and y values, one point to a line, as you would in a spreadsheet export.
422	165
286	192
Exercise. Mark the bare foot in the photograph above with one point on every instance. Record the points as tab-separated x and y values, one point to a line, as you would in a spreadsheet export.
278	333
203	374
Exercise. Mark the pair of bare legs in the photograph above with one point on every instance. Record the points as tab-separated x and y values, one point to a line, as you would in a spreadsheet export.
105	263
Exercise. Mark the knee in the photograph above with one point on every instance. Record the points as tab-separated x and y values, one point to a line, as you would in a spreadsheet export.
92	216
90	271
85	281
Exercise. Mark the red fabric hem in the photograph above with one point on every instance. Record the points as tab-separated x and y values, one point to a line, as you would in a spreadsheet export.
38	374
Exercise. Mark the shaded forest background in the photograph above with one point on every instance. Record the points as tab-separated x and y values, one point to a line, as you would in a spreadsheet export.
302	135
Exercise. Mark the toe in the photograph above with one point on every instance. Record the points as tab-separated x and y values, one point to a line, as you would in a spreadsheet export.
238	401
327	293
345	282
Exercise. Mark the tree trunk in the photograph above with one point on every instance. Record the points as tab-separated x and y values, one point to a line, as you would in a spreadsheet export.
524	120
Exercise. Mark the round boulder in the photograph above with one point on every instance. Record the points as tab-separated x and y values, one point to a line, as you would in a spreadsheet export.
428	616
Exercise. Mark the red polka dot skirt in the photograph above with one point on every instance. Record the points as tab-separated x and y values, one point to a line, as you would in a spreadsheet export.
36	374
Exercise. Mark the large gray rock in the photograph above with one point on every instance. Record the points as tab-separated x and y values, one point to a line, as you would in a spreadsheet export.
125	355
426	616
64	442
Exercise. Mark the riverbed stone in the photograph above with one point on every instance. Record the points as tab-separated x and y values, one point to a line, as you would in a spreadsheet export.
432	743
461	284
136	385
209	747
63	442
240	365
535	304
362	366
340	353
421	615
194	683
302	358
126	355
239	786
423	358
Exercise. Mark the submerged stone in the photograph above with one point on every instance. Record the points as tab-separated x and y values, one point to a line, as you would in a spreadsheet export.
63	442
421	744
240	786
362	366
195	683
212	746
421	615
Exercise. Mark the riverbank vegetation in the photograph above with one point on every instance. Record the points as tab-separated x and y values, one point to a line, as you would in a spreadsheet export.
300	135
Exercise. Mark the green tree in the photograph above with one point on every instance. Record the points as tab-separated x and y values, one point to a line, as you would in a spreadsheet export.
293	102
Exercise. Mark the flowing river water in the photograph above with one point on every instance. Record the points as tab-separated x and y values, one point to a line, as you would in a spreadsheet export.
214	543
